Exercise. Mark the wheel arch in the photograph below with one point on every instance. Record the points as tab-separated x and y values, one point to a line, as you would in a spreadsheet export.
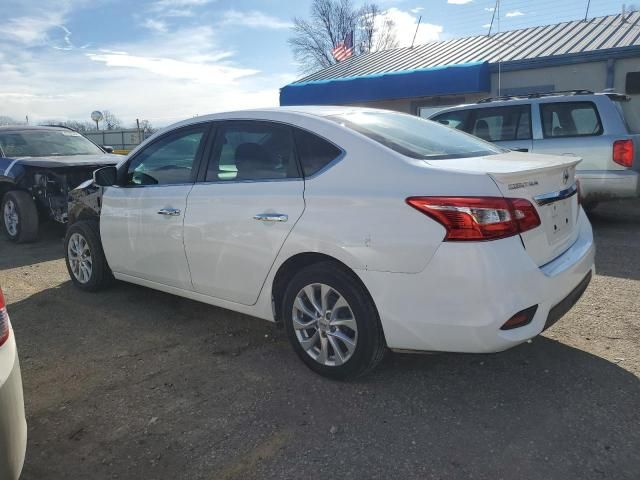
293	265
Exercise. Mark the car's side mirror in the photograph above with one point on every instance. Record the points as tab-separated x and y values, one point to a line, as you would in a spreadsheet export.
105	176
107	149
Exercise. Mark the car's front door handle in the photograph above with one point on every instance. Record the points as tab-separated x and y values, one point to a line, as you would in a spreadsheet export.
520	149
271	217
171	212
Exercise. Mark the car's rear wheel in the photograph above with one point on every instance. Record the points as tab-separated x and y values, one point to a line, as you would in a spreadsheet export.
19	216
85	258
332	322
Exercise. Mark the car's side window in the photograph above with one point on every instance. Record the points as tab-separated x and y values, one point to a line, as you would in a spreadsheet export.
252	150
502	123
169	160
456	119
570	119
314	152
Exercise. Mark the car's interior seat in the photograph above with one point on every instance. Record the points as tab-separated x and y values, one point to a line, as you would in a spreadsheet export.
254	162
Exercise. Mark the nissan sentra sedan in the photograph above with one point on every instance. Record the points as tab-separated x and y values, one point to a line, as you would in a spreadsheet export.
360	230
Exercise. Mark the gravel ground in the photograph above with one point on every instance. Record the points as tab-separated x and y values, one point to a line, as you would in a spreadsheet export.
133	383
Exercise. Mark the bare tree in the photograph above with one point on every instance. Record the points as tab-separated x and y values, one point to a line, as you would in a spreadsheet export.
376	30
146	127
111	122
328	25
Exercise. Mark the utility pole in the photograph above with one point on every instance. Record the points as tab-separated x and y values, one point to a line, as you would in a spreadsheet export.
416	32
586	14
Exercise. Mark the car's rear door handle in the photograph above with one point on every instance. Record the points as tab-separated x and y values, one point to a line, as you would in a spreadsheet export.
171	212
271	217
521	150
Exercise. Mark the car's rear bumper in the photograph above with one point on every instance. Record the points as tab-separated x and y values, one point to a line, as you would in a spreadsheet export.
469	290
13	426
603	185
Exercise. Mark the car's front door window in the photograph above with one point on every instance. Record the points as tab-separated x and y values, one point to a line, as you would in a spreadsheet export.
168	161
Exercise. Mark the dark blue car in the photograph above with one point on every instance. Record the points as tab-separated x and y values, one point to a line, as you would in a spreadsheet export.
38	168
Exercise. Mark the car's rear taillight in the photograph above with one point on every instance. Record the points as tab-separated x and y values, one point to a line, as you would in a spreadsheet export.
478	218
4	320
623	152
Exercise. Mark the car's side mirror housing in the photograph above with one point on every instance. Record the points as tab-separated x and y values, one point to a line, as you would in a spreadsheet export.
105	176
107	149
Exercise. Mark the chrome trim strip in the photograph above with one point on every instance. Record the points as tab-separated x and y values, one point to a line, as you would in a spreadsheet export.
547	198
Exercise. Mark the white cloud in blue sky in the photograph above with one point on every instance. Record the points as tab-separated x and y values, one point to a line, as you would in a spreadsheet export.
166	60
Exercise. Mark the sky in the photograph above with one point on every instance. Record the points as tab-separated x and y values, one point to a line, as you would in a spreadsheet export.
166	60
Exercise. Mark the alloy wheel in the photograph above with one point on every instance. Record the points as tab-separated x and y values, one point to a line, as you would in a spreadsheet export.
80	259
324	324
11	218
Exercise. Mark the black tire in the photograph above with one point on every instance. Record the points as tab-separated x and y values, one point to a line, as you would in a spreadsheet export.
100	275
370	345
26	229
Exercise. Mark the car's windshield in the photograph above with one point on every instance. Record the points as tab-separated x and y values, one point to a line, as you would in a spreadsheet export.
415	137
44	143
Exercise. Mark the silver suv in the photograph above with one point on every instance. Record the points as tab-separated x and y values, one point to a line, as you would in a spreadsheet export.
601	128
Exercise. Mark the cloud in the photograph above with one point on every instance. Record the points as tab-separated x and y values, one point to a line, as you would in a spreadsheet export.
416	10
486	25
176	8
32	30
459	2
489	9
253	19
201	72
155	25
405	27
515	13
164	77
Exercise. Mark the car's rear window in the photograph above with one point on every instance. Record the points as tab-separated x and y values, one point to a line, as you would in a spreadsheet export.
415	137
45	143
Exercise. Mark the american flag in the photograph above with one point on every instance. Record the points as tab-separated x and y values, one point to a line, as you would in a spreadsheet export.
344	49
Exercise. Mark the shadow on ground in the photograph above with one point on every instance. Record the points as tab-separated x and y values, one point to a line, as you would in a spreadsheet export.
161	387
47	247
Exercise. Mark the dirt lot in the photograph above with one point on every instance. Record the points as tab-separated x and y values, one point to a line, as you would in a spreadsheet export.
137	384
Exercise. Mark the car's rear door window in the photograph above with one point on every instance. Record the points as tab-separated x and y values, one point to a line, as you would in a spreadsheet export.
252	151
570	119
502	123
314	153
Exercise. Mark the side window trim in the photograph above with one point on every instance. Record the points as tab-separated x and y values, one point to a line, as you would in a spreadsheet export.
593	106
124	168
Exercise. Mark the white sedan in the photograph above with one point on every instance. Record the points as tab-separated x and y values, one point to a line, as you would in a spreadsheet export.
359	229
13	426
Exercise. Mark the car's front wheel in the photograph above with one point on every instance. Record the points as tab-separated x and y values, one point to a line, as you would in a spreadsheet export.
85	258
19	216
332	322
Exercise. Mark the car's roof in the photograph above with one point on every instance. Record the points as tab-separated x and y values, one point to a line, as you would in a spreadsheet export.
22	128
275	113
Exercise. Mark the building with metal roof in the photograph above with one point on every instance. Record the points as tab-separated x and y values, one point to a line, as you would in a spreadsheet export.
596	54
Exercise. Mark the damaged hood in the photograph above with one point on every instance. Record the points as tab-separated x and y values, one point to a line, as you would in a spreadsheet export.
69	161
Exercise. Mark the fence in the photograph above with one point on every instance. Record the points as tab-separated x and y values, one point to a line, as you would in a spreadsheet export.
122	141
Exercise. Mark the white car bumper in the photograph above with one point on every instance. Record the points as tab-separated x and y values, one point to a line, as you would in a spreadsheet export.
13	426
468	291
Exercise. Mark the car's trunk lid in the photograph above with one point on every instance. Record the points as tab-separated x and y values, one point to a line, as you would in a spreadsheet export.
548	182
